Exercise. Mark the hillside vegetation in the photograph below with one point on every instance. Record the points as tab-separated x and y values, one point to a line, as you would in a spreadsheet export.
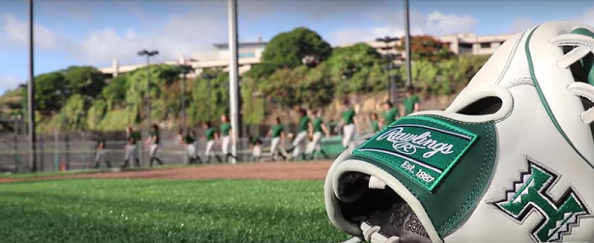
80	97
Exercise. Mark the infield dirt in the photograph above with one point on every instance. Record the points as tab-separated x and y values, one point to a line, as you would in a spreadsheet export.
265	171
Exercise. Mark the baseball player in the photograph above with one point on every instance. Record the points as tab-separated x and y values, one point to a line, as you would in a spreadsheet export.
374	124
349	125
100	155
316	129
256	146
278	135
302	132
188	141
390	115
131	152
153	143
211	136
225	130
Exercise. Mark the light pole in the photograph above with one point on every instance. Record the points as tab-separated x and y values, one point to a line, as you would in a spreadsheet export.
148	55
208	78
407	43
61	93
31	93
185	69
390	65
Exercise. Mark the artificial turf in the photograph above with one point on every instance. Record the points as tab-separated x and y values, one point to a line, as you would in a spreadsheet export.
134	210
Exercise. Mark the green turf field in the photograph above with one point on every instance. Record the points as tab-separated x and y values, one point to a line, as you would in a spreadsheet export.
124	210
30	175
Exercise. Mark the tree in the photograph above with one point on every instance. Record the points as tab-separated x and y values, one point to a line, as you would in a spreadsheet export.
203	109
96	113
74	111
357	69
47	87
425	47
300	86
84	80
160	77
287	49
115	91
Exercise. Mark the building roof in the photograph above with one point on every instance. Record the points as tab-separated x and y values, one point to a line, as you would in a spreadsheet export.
241	44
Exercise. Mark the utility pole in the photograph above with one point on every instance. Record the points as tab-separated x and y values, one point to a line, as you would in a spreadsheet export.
31	94
407	43
233	76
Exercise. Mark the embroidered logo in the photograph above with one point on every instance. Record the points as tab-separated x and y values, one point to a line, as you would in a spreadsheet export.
530	195
409	143
421	148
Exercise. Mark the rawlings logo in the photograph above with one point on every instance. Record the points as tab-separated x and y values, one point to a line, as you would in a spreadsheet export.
409	143
421	148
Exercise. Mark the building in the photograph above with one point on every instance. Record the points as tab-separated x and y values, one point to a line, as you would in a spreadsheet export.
460	44
251	52
472	44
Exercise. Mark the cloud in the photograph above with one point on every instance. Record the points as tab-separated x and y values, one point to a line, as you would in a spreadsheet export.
14	32
179	35
522	24
183	35
9	82
436	23
207	24
588	17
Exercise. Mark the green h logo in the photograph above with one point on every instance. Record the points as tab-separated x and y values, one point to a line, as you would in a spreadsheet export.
530	194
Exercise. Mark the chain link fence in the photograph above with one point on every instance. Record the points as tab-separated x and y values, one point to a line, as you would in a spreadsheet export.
77	150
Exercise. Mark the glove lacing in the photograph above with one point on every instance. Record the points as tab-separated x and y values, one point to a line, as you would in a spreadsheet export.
583	41
372	234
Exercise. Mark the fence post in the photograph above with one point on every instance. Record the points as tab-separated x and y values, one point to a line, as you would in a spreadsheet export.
17	165
56	151
67	141
39	154
85	152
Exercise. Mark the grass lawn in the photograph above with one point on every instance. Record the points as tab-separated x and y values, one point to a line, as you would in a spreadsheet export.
29	175
125	210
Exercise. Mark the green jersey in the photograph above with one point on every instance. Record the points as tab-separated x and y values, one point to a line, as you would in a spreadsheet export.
317	124
155	134
277	130
409	103
375	126
348	116
133	137
210	134
303	124
390	116
225	128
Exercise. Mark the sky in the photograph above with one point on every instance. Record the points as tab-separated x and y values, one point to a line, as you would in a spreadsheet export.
94	32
